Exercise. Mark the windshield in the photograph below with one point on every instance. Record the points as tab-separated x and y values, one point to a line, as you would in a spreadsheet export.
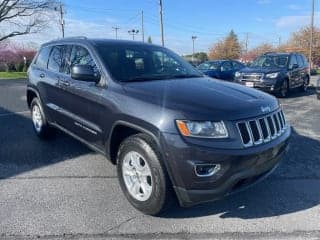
209	66
128	63
278	61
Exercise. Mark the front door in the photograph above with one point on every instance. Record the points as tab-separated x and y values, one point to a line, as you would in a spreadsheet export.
82	100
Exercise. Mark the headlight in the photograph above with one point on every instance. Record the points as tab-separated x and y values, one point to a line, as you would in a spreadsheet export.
237	74
272	75
203	129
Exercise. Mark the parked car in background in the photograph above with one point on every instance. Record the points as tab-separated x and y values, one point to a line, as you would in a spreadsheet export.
170	130
221	69
276	73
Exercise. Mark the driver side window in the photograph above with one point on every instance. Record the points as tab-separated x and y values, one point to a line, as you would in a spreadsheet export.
81	56
293	60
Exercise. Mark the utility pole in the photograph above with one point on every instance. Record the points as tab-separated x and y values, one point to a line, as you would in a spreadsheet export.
161	22
193	39
142	26
61	19
279	44
246	42
311	37
116	30
133	32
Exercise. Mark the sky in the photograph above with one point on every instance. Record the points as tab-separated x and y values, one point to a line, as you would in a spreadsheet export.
262	21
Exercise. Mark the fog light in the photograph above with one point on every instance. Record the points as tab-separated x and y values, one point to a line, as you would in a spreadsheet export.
272	88
206	170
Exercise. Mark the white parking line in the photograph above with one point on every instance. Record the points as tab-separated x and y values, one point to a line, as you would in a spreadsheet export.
14	113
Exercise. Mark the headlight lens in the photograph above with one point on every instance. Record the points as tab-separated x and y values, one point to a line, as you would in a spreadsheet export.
203	129
237	74
272	75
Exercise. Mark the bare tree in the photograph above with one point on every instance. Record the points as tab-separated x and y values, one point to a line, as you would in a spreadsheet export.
20	17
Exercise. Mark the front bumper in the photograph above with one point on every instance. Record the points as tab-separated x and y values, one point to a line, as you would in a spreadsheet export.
266	86
239	168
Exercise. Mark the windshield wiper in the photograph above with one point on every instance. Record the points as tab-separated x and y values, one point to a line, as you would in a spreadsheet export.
147	78
186	76
161	77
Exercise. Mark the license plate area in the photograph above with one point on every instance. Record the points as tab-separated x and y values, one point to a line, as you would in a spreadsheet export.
249	84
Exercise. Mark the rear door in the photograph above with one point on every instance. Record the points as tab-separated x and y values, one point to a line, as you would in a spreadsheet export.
56	71
81	101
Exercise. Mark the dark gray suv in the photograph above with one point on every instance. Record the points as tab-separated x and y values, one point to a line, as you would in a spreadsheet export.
172	132
276	73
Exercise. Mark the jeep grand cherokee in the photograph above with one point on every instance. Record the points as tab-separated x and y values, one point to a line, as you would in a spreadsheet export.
170	130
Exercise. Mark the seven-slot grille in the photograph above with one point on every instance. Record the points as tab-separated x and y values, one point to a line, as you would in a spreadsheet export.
251	77
260	130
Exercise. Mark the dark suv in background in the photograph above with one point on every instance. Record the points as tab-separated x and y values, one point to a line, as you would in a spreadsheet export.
276	73
170	130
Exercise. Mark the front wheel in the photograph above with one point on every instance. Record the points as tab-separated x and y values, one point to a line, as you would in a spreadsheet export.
142	176
305	84
284	89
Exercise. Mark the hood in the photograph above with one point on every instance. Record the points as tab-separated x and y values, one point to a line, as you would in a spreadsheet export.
202	98
260	70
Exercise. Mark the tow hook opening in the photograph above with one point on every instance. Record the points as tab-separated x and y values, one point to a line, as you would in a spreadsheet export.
206	170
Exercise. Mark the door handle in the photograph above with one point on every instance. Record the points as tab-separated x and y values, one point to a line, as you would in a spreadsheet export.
41	75
65	83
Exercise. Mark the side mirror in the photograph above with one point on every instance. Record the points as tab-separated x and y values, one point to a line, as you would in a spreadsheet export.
295	66
84	73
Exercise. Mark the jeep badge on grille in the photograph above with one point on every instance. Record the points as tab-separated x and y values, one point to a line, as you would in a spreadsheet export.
265	109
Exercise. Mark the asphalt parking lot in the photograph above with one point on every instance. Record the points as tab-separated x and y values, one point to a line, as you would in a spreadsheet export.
60	189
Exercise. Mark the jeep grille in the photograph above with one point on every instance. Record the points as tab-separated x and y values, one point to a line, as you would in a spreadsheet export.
261	130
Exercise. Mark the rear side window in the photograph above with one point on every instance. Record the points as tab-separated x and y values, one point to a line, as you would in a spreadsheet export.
42	59
300	61
55	60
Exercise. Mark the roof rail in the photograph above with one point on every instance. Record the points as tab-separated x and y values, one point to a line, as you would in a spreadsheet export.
75	37
266	53
69	38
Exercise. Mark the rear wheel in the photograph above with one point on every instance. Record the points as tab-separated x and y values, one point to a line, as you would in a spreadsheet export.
142	176
40	124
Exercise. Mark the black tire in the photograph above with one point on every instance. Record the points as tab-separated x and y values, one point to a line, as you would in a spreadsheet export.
284	91
43	131
161	196
305	84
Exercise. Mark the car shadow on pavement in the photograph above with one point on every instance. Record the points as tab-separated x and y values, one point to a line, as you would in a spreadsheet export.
21	150
293	187
296	93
